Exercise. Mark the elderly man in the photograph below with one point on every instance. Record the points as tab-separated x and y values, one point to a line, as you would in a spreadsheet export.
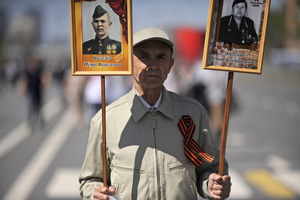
159	144
102	44
236	28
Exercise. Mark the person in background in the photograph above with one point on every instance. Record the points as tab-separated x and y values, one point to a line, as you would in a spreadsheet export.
159	144
34	82
74	93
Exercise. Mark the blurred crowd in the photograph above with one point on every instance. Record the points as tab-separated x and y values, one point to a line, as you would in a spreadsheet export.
34	78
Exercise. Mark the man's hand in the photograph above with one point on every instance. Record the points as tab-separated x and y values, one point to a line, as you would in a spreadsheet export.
103	193
219	186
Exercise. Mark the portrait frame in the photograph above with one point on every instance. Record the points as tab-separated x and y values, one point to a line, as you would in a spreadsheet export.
225	56
110	62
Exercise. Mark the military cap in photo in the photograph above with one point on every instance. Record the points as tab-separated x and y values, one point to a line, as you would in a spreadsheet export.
151	33
99	12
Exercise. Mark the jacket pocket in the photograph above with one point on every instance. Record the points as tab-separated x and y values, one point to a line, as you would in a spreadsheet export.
129	182
182	177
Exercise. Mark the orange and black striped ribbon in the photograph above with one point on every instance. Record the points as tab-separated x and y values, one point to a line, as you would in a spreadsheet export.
191	149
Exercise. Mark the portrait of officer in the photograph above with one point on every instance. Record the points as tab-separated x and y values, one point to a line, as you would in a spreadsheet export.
237	28
102	44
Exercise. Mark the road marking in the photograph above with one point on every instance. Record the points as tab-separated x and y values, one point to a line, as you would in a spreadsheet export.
284	173
239	189
64	184
277	163
290	179
12	139
27	180
21	132
265	182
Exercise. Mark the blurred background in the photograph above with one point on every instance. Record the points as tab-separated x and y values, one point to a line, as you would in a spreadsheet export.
45	112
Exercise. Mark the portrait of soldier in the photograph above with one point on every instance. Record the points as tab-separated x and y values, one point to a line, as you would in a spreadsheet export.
102	44
237	28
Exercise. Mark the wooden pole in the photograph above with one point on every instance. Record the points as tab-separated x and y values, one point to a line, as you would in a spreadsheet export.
225	123
103	131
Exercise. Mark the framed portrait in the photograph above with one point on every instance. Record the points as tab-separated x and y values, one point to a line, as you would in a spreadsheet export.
101	37
235	35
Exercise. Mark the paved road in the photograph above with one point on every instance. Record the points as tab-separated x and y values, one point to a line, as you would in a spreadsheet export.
262	147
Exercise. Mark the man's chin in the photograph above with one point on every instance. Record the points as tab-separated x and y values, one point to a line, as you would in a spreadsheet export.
100	35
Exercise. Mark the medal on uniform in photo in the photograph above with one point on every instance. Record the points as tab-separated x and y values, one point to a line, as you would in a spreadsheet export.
108	51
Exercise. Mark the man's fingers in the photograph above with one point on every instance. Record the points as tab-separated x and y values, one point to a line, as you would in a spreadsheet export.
112	190
103	193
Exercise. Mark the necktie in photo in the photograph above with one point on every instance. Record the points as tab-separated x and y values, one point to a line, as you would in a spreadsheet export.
191	149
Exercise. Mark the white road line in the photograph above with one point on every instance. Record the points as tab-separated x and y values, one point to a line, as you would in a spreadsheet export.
21	132
27	180
12	139
239	189
284	173
64	184
290	178
277	163
52	108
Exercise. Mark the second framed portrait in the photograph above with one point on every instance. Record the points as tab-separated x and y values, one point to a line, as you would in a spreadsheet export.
101	37
235	35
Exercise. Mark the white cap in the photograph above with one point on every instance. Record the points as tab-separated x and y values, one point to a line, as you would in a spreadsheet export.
151	33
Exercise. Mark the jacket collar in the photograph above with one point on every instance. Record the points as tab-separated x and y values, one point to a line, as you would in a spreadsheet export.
138	110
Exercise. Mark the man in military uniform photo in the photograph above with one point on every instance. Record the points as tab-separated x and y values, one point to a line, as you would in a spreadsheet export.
236	28
102	44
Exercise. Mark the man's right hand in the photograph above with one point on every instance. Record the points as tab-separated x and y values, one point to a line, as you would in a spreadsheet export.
103	193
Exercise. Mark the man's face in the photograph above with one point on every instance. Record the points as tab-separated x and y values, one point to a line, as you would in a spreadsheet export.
152	63
101	25
239	10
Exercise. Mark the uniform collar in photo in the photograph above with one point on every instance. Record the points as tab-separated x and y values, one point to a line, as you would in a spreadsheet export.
102	40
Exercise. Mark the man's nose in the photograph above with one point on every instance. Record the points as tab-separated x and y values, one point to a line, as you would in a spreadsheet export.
153	64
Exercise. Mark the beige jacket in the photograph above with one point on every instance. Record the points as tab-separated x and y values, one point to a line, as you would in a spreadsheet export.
146	152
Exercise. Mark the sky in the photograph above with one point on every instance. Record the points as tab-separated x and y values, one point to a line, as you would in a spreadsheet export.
164	14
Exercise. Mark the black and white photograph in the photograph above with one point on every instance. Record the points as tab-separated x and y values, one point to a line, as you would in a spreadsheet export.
235	35
239	24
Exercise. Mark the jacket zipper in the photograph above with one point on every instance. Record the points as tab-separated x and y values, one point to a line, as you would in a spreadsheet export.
157	178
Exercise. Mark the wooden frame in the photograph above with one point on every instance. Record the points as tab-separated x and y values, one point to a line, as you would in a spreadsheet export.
109	62
226	55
